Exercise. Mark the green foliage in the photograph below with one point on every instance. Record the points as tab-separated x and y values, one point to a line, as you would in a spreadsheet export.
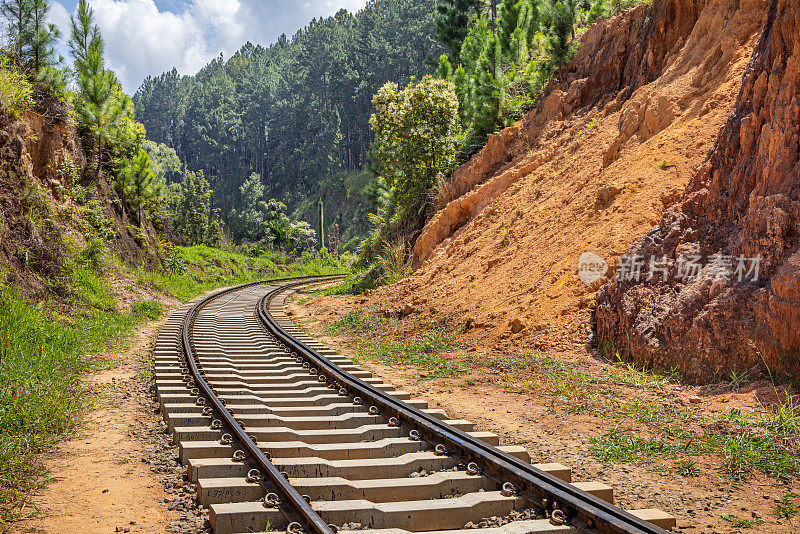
85	35
102	107
561	17
42	38
79	194
321	226
15	90
95	255
500	73
68	172
138	184
194	217
452	22
596	11
192	270
267	222
33	39
250	223
295	112
416	134
164	162
96	216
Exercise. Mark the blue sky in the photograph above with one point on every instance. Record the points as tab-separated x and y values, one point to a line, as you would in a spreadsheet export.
150	36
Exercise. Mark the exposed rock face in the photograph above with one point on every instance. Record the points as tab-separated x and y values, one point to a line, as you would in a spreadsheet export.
743	202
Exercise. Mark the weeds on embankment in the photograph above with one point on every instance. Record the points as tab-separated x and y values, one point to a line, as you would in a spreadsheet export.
376	343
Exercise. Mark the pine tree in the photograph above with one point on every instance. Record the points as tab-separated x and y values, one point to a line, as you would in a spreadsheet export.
33	39
18	13
85	35
487	93
445	70
562	17
195	218
452	23
518	21
138	184
321	225
42	38
102	106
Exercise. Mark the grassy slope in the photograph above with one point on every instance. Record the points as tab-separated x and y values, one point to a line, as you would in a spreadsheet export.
44	356
193	270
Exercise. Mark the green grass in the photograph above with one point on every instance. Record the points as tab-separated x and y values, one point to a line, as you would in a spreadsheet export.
745	452
629	374
785	508
745	443
354	283
358	321
148	308
738	522
42	360
422	351
621	447
687	468
88	288
377	344
191	271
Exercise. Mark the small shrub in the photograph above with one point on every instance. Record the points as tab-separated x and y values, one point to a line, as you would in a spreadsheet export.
67	174
79	194
95	255
175	262
664	165
16	93
97	218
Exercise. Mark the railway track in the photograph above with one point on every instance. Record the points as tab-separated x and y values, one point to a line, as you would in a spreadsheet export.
279	432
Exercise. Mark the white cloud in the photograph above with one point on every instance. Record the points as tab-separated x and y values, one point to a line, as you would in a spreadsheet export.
142	40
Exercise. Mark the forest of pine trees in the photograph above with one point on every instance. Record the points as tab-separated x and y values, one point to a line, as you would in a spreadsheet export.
296	112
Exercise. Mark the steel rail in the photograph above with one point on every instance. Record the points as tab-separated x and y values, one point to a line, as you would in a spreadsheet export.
560	500
291	503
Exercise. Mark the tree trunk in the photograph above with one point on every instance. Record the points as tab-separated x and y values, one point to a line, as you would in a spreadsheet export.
99	158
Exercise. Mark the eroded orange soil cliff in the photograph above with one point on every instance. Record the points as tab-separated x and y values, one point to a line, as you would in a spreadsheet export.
613	144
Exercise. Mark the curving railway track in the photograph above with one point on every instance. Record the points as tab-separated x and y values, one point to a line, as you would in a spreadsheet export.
281	433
